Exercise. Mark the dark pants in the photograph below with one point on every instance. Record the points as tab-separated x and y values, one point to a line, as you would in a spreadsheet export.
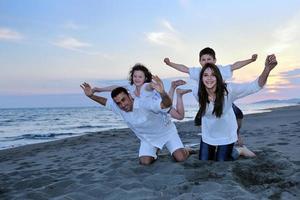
208	152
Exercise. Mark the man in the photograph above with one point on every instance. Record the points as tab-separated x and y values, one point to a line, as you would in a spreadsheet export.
147	118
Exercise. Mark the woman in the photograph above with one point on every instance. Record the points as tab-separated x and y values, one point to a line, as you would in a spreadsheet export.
219	125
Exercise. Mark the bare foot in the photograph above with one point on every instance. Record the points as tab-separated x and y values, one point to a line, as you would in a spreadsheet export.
244	151
182	91
177	83
191	151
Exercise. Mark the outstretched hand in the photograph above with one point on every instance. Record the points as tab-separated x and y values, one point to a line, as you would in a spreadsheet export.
254	57
87	89
270	62
167	61
157	84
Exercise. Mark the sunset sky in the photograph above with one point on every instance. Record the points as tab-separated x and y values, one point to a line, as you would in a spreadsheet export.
51	46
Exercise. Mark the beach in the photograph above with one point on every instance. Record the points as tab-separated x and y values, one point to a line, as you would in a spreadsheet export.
104	165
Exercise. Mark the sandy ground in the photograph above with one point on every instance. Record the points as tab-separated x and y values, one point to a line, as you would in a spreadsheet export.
105	165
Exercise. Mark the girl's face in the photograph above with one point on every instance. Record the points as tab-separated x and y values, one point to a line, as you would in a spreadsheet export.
138	78
209	79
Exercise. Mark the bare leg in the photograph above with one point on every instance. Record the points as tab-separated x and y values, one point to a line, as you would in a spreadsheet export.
146	160
244	151
181	154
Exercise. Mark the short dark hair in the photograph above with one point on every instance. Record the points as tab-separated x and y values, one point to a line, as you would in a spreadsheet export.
208	51
117	91
140	67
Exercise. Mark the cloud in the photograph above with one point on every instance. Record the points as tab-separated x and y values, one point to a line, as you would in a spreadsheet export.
286	35
71	43
74	44
168	37
8	34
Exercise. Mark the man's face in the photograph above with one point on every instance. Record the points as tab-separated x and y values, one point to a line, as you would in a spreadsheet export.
124	101
206	58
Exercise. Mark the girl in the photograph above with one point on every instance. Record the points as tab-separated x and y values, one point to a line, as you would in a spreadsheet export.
140	78
219	125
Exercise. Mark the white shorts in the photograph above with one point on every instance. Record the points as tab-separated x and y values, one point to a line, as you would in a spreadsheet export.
147	149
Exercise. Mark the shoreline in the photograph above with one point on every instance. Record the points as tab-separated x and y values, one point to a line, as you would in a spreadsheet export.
190	121
104	165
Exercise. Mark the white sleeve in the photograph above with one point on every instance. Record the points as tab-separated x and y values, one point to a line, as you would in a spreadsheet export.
226	71
130	88
111	105
146	93
241	90
194	73
152	103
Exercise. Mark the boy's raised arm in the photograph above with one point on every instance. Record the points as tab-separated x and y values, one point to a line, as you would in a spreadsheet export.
179	67
240	64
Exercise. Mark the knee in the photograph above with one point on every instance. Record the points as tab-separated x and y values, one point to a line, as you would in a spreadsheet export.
146	160
180	155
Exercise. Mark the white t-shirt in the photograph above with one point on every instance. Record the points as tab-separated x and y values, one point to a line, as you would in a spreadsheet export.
143	93
148	121
222	131
226	72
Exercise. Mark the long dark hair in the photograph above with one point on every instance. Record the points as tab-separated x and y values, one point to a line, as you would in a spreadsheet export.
140	67
221	91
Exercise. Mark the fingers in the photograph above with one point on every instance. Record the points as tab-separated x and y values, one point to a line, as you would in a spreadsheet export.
156	79
272	59
254	57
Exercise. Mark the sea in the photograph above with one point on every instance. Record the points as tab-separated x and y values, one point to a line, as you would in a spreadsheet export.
24	126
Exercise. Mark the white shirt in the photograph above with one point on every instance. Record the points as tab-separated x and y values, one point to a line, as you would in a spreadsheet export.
143	92
223	130
147	120
194	73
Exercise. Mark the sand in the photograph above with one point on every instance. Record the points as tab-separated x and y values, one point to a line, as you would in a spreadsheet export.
105	165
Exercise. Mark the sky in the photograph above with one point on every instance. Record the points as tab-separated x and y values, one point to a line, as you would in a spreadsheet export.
50	47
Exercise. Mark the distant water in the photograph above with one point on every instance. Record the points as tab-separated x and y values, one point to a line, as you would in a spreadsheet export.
24	126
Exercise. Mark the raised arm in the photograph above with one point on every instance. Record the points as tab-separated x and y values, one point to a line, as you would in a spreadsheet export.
104	89
270	64
179	67
89	93
240	64
158	85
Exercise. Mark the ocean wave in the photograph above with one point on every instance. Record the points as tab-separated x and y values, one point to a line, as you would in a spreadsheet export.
46	136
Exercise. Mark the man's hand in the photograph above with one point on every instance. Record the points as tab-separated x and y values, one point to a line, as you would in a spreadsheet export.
270	62
87	89
167	61
254	57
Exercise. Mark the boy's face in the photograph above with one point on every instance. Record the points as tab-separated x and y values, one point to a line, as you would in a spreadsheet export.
206	58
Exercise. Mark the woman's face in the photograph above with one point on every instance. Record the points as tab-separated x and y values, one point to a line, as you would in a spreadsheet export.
209	79
138	78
